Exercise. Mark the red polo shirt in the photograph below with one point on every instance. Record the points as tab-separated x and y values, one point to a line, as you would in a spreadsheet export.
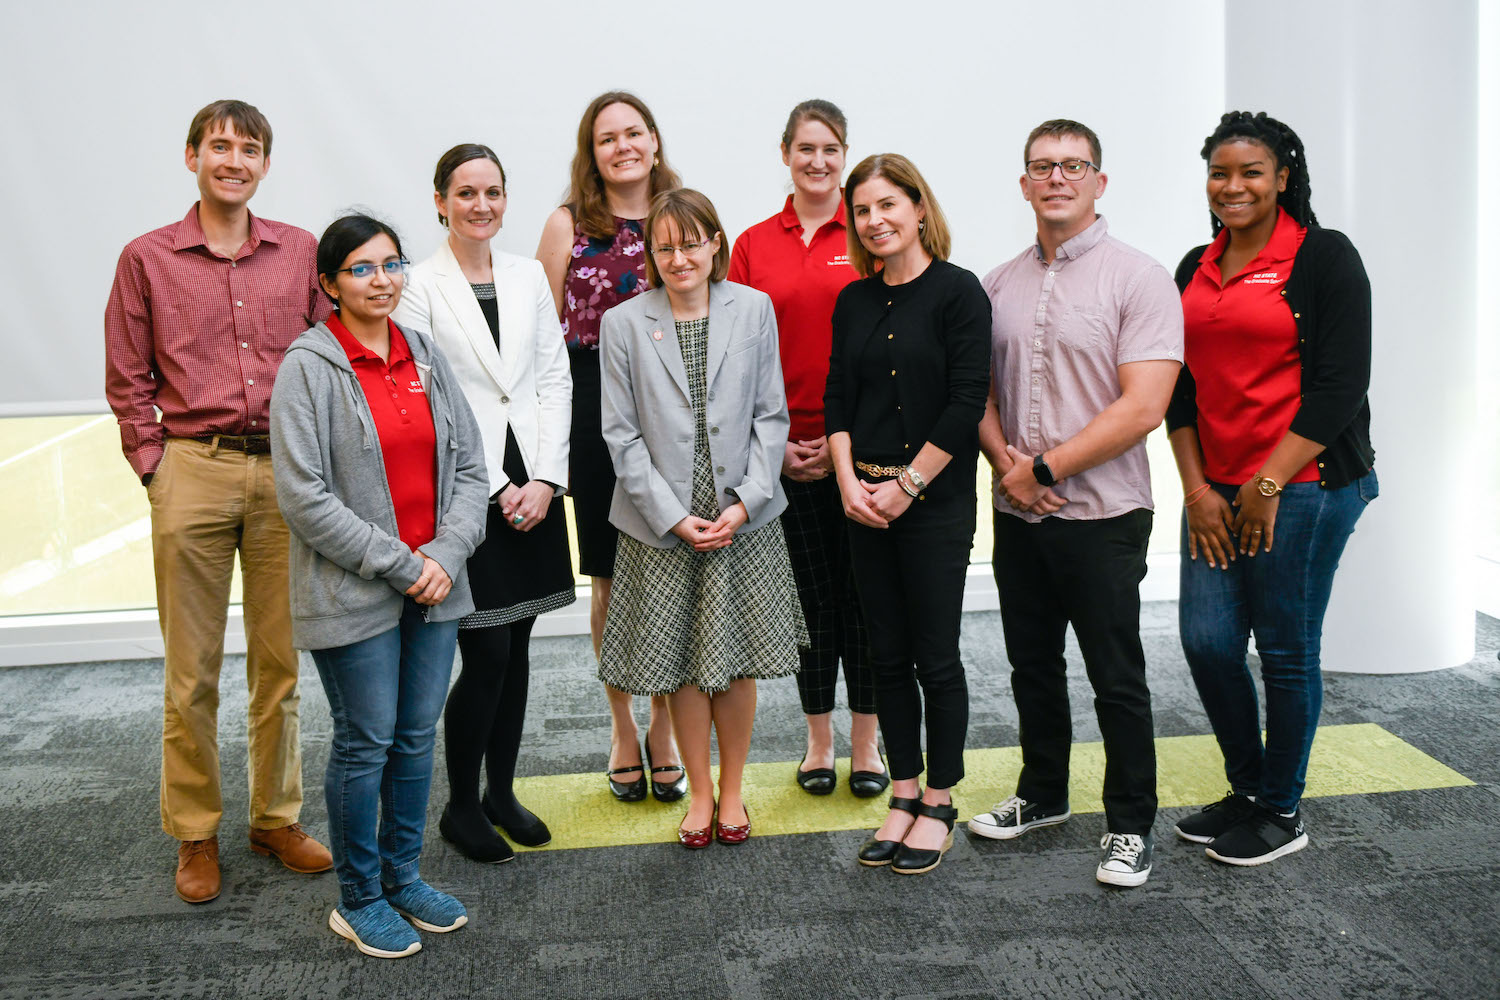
403	421
1241	346
803	282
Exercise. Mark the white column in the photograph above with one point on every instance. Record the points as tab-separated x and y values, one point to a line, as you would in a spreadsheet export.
1384	95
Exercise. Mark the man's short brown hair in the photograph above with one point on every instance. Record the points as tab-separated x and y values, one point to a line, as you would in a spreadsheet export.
245	119
1058	127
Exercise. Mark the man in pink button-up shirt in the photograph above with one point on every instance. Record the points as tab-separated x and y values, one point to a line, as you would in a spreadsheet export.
199	315
1086	347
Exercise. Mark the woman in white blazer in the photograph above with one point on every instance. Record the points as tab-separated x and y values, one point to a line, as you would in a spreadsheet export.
694	415
492	316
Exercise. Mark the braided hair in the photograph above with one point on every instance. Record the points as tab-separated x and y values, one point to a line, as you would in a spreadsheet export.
1284	144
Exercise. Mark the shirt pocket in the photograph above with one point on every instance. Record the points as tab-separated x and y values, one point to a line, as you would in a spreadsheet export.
1082	328
285	316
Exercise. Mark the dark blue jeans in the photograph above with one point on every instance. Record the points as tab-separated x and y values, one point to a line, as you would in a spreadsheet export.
385	694
1280	596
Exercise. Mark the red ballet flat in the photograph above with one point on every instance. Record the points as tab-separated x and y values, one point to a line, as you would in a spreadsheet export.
696	840
729	834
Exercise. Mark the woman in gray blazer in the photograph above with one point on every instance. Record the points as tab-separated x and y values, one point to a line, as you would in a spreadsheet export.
491	316
695	417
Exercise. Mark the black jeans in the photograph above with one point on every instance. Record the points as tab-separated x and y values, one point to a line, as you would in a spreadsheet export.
911	585
1087	573
818	547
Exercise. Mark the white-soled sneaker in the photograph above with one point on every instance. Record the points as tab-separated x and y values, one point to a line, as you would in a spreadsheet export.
1263	836
1127	859
1014	816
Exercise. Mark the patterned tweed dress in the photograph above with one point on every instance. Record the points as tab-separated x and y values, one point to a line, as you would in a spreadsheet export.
679	617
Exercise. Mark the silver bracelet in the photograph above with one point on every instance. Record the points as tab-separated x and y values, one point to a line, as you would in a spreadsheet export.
906	486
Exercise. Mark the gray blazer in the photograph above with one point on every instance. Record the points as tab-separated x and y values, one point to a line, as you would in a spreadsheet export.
647	411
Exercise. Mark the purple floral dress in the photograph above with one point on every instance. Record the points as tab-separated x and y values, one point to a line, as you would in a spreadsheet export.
602	273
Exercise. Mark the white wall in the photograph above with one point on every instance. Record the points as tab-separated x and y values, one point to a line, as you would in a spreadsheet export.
364	96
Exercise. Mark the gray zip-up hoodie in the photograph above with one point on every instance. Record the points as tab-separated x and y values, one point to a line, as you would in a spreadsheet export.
349	568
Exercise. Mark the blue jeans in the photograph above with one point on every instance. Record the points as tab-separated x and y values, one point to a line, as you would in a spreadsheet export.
385	694
1281	597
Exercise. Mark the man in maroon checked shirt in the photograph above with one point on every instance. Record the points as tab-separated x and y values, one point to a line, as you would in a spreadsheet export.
199	315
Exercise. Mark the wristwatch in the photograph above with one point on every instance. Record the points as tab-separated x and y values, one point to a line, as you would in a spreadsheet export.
1268	487
1043	474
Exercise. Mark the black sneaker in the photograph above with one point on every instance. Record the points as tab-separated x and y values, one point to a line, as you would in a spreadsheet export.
1127	859
1202	827
1015	816
1263	836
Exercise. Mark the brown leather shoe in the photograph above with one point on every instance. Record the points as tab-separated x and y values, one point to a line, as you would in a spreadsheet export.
198	870
292	847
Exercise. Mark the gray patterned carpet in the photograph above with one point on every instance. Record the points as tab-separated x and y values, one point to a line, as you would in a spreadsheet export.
1397	896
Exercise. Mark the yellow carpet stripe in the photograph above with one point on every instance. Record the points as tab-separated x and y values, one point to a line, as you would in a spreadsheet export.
1346	760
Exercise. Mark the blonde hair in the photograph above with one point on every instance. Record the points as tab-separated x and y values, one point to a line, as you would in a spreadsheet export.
586	201
903	174
691	213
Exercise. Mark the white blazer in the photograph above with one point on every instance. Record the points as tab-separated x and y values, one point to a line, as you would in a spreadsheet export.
526	384
648	419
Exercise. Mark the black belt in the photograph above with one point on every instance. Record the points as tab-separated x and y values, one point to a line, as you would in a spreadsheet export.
250	444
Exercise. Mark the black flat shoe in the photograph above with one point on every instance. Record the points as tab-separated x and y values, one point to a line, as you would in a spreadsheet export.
522	825
875	853
628	791
911	860
476	841
666	791
818	781
868	784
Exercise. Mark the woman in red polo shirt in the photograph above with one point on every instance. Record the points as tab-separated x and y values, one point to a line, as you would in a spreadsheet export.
1270	426
800	257
380	476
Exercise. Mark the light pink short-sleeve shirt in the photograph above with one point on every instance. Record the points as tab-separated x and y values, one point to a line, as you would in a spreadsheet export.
1060	331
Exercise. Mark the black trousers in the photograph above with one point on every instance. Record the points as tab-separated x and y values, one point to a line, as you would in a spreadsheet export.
818	546
910	577
1087	573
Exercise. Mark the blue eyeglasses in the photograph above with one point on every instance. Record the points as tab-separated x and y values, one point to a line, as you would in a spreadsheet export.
392	269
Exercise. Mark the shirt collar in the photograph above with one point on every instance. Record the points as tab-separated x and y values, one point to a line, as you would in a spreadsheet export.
359	352
790	220
190	232
1281	246
1079	245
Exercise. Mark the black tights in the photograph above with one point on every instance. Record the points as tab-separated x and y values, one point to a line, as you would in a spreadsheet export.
485	713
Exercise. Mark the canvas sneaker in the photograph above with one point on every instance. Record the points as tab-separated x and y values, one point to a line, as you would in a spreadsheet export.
1203	826
1127	859
1263	836
1015	816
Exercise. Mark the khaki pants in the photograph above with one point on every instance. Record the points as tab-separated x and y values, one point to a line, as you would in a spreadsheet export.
207	502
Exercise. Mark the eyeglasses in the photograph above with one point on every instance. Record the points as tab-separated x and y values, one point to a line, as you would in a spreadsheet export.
667	252
392	269
1040	170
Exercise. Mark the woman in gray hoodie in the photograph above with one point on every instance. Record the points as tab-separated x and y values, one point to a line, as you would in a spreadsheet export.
381	479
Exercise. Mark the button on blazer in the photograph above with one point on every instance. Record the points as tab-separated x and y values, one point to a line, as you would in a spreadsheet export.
525	384
648	419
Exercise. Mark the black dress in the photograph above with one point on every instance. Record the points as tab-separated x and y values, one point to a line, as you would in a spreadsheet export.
517	574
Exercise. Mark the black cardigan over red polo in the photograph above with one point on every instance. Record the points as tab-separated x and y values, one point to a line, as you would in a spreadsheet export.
1329	294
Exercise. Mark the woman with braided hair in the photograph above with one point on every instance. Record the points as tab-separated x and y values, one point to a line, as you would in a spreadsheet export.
1270	426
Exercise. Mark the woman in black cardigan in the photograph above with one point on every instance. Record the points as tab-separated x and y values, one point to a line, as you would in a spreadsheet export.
1270	426
907	381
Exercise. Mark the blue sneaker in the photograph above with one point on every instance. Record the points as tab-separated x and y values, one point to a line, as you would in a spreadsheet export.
427	908
376	930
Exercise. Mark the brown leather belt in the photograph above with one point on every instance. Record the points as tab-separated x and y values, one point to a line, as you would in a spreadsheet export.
880	470
250	444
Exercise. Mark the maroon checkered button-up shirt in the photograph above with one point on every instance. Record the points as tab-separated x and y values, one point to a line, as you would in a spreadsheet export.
199	336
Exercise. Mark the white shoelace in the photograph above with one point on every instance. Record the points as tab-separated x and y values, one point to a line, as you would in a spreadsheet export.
1014	802
1126	847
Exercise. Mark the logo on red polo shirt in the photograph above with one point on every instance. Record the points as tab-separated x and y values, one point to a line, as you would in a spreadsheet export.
838	259
415	385
1264	278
